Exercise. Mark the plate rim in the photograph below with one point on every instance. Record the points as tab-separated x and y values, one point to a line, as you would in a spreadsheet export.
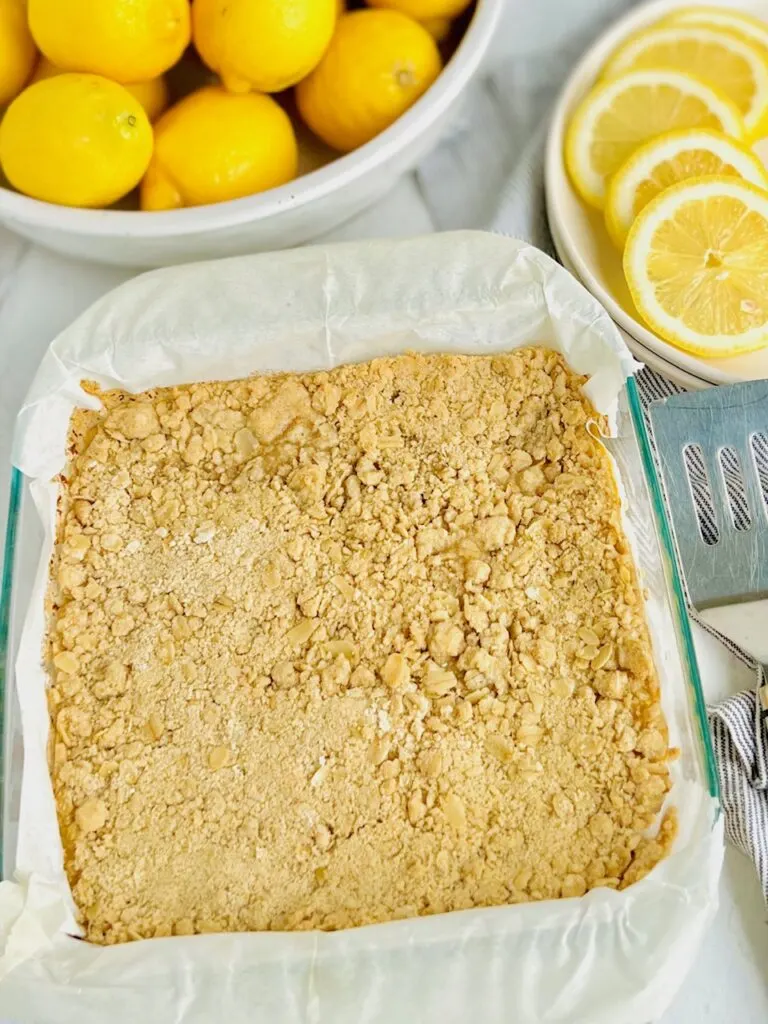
655	362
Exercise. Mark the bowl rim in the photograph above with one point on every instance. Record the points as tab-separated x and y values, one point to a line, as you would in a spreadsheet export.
555	176
307	188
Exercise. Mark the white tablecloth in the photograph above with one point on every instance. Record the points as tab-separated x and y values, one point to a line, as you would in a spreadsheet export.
458	186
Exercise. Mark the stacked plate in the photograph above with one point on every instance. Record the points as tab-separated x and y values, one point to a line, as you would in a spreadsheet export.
582	241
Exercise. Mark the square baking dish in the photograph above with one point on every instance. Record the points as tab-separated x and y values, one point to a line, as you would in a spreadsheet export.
602	958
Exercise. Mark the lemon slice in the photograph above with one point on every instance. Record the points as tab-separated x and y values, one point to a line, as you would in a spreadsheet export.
667	160
746	25
619	115
728	63
695	262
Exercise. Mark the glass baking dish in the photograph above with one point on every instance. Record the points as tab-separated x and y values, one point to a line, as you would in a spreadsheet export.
653	546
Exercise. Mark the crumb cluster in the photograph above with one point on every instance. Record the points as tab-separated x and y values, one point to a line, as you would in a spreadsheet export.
343	647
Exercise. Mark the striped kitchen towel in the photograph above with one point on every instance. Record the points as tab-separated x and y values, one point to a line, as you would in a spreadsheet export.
739	724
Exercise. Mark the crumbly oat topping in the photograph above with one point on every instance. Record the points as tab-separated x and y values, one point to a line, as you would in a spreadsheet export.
344	647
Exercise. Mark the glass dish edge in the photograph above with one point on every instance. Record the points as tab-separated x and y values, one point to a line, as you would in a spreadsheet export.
6	602
675	586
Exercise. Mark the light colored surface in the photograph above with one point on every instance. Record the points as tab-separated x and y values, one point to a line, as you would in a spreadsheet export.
744	624
282	217
581	236
40	293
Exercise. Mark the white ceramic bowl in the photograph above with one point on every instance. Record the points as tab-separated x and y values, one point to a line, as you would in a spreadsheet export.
579	233
287	216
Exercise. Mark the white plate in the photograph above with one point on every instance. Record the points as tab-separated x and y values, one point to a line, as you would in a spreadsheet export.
582	240
655	362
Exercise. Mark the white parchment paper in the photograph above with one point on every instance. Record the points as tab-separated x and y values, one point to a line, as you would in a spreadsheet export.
607	958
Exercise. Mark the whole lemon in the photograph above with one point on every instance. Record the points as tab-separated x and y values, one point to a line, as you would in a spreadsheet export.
152	95
377	66
17	49
77	140
438	28
265	45
215	145
423	10
126	40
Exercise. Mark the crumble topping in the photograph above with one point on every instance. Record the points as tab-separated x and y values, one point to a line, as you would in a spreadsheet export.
336	648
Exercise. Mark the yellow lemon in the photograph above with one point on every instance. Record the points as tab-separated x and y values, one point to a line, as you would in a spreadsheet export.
728	63
17	49
695	264
77	140
378	64
126	40
424	10
152	95
215	145
620	114
438	28
667	160
266	45
743	24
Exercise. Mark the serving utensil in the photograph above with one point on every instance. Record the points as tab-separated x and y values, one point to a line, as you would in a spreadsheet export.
712	447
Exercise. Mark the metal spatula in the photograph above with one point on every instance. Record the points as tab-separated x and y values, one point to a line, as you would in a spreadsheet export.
713	451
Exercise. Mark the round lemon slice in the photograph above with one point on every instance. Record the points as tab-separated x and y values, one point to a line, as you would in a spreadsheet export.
622	113
728	63
667	160
746	25
696	264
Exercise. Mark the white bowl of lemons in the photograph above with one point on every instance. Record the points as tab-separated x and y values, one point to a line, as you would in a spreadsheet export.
161	131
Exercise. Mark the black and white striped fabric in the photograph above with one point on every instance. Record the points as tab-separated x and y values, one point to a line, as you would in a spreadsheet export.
739	725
